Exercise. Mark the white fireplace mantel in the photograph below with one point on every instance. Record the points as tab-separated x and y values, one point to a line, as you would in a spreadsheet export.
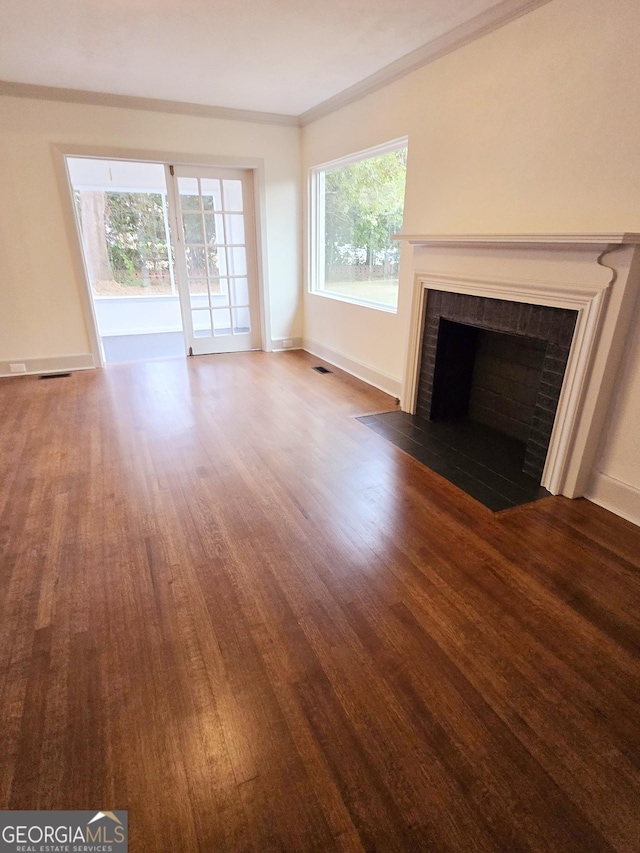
587	239
595	274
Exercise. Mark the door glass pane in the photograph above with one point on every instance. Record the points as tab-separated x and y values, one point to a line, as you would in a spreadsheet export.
211	199
221	322
240	291
232	195
221	235
188	189
196	265
241	321
237	261
198	293
217	261
213	259
219	292
202	324
192	228
210	230
234	223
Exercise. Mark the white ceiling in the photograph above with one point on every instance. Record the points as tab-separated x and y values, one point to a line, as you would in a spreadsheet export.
283	56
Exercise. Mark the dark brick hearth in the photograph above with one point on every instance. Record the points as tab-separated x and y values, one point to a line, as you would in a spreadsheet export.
539	352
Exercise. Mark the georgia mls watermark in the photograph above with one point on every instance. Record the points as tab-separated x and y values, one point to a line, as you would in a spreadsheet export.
63	832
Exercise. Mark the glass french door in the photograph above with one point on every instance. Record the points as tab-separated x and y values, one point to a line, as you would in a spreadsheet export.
216	262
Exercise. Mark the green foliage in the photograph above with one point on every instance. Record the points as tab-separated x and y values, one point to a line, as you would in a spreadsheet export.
136	239
364	204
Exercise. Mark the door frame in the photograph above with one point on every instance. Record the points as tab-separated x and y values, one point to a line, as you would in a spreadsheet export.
166	158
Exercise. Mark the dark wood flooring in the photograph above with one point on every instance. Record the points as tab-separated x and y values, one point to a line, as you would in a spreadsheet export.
232	609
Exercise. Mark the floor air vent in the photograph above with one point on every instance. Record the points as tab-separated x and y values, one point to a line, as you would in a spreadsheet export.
321	369
54	375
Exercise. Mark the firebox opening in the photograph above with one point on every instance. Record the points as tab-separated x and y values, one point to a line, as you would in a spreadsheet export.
492	378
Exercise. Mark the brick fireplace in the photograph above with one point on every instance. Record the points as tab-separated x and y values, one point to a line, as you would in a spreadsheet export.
497	362
522	333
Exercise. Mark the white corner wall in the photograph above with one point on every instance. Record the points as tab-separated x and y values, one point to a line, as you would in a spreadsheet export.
533	128
41	312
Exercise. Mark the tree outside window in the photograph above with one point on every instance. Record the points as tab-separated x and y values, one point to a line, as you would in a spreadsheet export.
358	206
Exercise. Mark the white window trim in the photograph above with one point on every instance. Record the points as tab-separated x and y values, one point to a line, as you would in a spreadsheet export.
317	223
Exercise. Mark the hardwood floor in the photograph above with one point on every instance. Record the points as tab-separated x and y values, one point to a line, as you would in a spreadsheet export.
232	609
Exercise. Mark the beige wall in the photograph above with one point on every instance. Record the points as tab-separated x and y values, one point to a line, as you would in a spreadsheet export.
535	127
40	300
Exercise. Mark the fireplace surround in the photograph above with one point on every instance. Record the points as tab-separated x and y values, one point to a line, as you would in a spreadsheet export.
449	323
594	277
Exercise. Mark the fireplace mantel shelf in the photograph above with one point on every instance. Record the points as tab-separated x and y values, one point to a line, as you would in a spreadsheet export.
617	238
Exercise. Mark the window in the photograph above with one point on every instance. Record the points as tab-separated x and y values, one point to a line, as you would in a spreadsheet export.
357	205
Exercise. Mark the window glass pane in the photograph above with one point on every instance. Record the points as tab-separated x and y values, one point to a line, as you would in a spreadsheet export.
241	321
213	258
234	223
211	198
221	231
192	228
188	189
221	322
214	228
196	266
240	291
232	195
362	205
210	228
237	259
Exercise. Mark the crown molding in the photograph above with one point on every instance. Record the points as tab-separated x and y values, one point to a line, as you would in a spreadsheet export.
488	21
484	23
131	102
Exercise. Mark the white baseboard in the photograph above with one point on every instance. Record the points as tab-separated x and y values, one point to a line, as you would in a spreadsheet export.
621	498
53	364
362	371
277	345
